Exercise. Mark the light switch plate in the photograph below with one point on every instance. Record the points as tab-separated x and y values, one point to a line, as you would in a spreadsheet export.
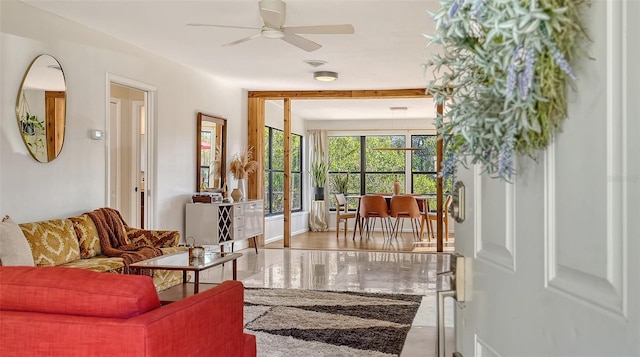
97	134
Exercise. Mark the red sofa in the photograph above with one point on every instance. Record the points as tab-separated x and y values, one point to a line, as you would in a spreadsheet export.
57	311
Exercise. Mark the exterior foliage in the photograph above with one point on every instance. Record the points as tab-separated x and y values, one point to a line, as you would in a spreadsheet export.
340	182
502	77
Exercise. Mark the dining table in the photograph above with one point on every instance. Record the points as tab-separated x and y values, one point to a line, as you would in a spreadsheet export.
423	204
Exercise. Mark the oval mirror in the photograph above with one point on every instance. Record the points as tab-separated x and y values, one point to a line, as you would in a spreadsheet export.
210	152
41	108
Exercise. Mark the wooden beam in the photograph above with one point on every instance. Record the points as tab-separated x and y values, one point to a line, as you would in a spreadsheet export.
255	139
256	119
342	94
287	172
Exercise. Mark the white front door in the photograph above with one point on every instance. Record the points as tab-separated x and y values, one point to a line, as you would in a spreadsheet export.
555	256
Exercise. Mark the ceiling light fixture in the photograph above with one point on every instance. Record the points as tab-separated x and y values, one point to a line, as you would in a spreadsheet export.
325	76
315	63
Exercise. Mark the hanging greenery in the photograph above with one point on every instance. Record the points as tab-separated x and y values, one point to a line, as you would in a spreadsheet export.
502	77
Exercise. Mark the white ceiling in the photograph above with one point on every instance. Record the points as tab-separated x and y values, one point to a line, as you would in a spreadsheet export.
386	52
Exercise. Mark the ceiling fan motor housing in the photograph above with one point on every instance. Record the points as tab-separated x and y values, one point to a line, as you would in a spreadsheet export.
272	33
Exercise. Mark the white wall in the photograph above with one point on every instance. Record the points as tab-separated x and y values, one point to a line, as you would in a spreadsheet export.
274	117
75	182
367	125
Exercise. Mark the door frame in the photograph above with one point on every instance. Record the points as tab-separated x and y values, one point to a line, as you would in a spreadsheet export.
116	127
137	164
150	93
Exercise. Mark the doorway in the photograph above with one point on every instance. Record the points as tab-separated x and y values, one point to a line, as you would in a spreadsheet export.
129	153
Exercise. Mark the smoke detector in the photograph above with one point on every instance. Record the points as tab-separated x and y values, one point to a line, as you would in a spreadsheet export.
315	63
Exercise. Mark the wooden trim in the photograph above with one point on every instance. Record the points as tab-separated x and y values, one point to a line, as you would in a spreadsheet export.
287	172
342	94
223	148
55	109
256	122
255	139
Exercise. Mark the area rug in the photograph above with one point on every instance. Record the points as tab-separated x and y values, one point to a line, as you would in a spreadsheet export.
311	323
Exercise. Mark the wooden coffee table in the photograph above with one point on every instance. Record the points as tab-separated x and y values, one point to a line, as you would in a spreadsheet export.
180	261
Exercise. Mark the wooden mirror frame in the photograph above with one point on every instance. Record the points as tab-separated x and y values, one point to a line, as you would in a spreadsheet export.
202	117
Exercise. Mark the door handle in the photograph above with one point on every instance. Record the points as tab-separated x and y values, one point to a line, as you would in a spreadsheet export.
456	291
457	202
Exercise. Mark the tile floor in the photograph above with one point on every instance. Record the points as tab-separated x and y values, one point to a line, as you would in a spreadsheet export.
389	272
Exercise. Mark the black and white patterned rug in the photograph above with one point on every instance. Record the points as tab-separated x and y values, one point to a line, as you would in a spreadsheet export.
310	323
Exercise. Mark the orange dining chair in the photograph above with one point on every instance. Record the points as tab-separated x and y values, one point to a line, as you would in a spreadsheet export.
403	207
433	216
423	206
342	213
372	207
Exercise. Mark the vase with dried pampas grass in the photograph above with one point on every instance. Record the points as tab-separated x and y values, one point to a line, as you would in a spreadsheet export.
242	164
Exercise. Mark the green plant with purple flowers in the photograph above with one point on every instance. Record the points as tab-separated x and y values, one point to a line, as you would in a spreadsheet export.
502	76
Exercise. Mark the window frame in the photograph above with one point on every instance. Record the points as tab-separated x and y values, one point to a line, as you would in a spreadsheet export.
269	174
408	173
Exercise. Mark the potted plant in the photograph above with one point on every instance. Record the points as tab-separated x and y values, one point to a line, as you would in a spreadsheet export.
340	182
319	178
30	123
241	166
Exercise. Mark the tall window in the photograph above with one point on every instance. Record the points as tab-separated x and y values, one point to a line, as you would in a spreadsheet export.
373	165
274	171
423	167
383	164
423	164
345	160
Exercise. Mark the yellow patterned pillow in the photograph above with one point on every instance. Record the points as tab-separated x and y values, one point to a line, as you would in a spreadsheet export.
52	242
87	236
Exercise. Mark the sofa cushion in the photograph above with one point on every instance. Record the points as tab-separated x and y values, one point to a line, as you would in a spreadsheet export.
87	233
14	249
52	242
100	263
71	291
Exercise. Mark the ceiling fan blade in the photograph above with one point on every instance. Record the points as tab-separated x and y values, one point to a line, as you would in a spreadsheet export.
321	29
272	19
301	42
236	42
273	13
225	26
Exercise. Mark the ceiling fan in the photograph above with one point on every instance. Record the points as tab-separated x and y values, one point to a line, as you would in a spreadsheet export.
273	17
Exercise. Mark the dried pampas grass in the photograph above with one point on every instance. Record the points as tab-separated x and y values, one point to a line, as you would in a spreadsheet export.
243	164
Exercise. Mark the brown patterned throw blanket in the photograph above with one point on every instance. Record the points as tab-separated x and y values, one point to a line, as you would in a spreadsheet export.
113	239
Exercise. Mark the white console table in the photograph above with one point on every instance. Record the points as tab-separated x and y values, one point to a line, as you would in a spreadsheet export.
224	222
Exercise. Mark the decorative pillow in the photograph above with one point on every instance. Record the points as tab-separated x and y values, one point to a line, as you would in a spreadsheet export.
14	248
87	236
52	242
